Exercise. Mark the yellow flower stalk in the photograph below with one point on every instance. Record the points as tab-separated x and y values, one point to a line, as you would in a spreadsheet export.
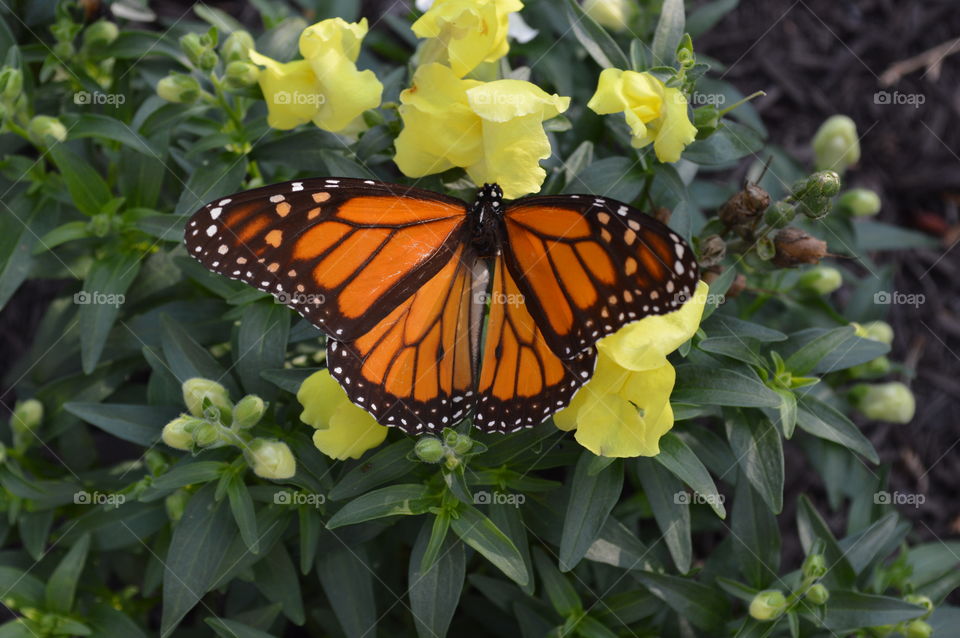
325	87
344	430
625	408
494	130
655	112
464	33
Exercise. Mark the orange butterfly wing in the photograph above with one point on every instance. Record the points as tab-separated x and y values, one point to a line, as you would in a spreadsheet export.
342	252
589	265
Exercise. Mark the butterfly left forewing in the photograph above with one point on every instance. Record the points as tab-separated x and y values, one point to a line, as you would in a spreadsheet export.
342	252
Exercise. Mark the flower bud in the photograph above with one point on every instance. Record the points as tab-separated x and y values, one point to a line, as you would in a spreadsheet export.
745	206
429	449
241	74
712	251
613	14
780	214
205	434
821	279
766	249
248	411
892	402
176	503
873	369
918	629
178	433
818	594
825	183
814	566
923	601
794	247
836	145
706	118
11	83
64	50
193	46
878	331
44	129
197	389
236	48
271	459
768	605
27	415
860	202
463	444
179	88
100	34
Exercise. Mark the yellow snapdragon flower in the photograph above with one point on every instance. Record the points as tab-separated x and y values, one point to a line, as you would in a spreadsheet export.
464	33
494	130
625	408
655	112
344	430
325	87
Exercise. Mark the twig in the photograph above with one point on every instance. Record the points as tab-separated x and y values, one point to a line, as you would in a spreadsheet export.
932	59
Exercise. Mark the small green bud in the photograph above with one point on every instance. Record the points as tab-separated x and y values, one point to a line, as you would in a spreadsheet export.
613	14
44	129
860	202
241	74
822	280
814	566
818	594
178	433
825	183
179	88
271	459
892	402
836	145
100	34
176	503
766	249
429	449
193	47
208	60
768	605
236	48
64	50
878	331
27	415
780	214
197	389
923	601
206	434
156	462
919	629
873	369
248	411
99	225
706	118
11	83
462	444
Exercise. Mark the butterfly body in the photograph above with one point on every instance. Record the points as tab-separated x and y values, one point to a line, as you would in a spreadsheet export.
403	281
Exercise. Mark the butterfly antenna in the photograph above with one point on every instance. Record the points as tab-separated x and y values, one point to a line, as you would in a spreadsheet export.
766	165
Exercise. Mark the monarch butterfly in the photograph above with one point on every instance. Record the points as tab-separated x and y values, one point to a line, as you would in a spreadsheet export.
401	279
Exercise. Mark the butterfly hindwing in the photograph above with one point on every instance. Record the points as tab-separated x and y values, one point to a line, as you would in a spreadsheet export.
342	252
589	265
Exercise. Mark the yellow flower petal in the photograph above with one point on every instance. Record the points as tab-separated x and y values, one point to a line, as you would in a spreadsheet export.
465	33
290	90
334	34
344	430
609	97
676	131
319	395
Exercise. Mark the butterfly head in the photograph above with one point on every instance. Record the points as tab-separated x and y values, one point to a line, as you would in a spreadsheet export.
485	213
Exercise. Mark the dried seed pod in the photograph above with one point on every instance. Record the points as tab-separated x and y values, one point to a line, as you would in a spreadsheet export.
712	251
794	247
745	206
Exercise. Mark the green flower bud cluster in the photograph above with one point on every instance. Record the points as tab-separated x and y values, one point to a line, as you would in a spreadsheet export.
214	421
877	331
450	449
812	195
770	604
916	628
199	49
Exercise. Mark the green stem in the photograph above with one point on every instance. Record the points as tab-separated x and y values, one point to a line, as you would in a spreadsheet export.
741	102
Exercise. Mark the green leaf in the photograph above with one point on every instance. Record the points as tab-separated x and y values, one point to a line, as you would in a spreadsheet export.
276	578
103	293
288	379
188	472
140	424
347	581
756	443
739	348
211	180
24	589
618	546
811	527
188	359
62	234
599	44
875	542
404	499
226	628
110	128
708	385
62	584
805	358
849	610
873	235
22	221
755	537
509	520
592	497
242	507
200	541
479	532
706	16
930	561
730	142
823	420
703	606
261	345
720	325
16	629
435	593
670	508
387	464
788	411
87	189
310	527
676	456
614	177
107	622
666	37
563	596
